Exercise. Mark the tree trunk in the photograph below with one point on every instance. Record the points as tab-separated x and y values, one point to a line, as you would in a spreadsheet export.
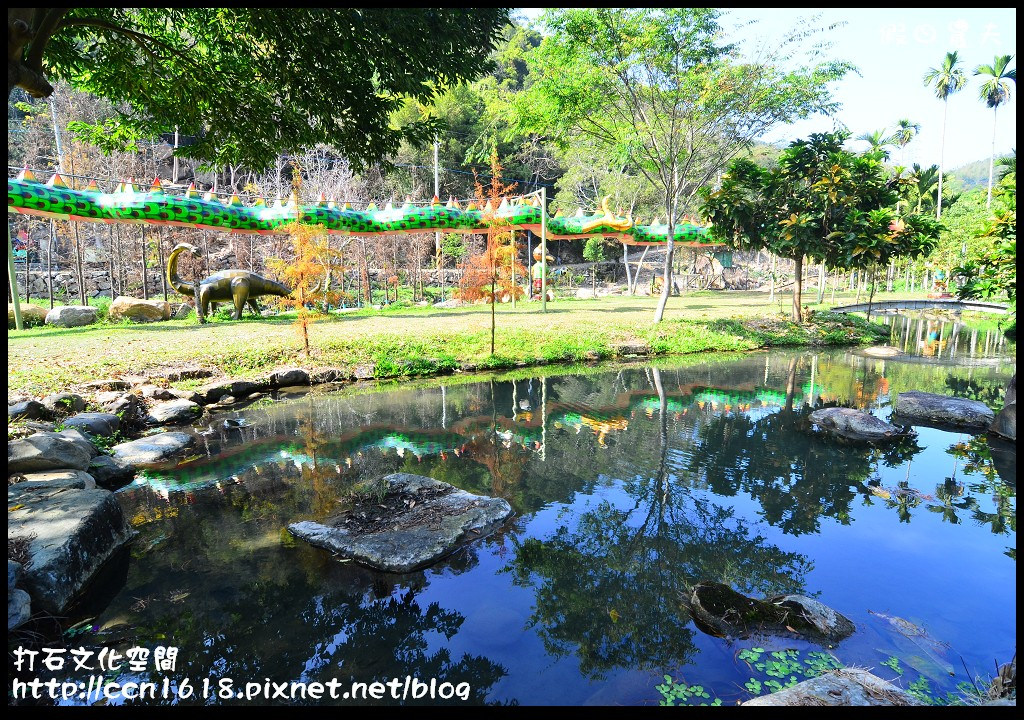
771	280
49	261
110	258
160	257
871	296
145	289
992	158
625	261
798	281
666	282
79	269
821	282
942	154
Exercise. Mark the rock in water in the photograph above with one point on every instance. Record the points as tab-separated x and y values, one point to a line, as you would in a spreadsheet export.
152	449
925	407
71	316
74	479
110	472
719	610
1005	423
422	520
174	411
855	425
46	451
847	686
69	533
882	351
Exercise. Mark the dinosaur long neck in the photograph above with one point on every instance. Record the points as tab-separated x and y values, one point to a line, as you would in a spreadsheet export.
176	282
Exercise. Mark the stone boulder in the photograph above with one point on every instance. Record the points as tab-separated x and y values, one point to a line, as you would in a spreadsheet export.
719	610
184	310
72	479
28	410
173	412
64	403
95	423
328	375
111	472
289	376
882	351
127	308
1005	422
405	523
212	392
71	316
69	534
854	425
156	392
127	406
19	608
45	451
80	439
108	384
929	408
30	315
152	449
846	686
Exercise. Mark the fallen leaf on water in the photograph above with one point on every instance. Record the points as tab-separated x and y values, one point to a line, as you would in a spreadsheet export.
614	615
790	629
12	508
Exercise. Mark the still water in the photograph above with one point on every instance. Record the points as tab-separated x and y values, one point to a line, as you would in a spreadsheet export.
630	484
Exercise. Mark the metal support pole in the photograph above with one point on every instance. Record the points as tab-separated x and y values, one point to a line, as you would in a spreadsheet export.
544	249
437	233
12	277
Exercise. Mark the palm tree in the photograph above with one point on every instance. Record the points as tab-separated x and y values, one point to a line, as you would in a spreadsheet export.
877	141
994	92
947	79
906	131
925	180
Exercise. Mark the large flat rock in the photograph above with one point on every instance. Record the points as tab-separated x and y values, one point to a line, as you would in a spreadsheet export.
70	535
46	451
942	410
421	521
71	316
174	411
95	423
152	449
847	686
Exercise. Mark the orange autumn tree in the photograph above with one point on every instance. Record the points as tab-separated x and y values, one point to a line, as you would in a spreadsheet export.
305	273
491	275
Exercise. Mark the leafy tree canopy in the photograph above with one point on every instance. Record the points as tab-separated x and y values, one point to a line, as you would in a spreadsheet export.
248	83
822	202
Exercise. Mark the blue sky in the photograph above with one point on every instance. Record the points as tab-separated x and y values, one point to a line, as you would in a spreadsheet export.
892	49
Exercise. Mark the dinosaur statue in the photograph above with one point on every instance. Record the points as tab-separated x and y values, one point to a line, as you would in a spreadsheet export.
237	286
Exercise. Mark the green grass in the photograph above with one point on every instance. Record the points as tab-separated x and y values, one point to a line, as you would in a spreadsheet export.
419	341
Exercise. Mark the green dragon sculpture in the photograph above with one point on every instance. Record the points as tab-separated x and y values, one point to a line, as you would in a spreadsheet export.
240	287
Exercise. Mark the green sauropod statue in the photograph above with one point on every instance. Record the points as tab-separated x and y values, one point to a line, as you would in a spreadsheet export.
238	286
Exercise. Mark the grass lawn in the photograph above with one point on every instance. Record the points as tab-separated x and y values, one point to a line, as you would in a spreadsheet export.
410	341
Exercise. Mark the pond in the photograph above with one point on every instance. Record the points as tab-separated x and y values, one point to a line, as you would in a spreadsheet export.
630	483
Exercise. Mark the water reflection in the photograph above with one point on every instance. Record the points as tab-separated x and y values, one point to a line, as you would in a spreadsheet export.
630	484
